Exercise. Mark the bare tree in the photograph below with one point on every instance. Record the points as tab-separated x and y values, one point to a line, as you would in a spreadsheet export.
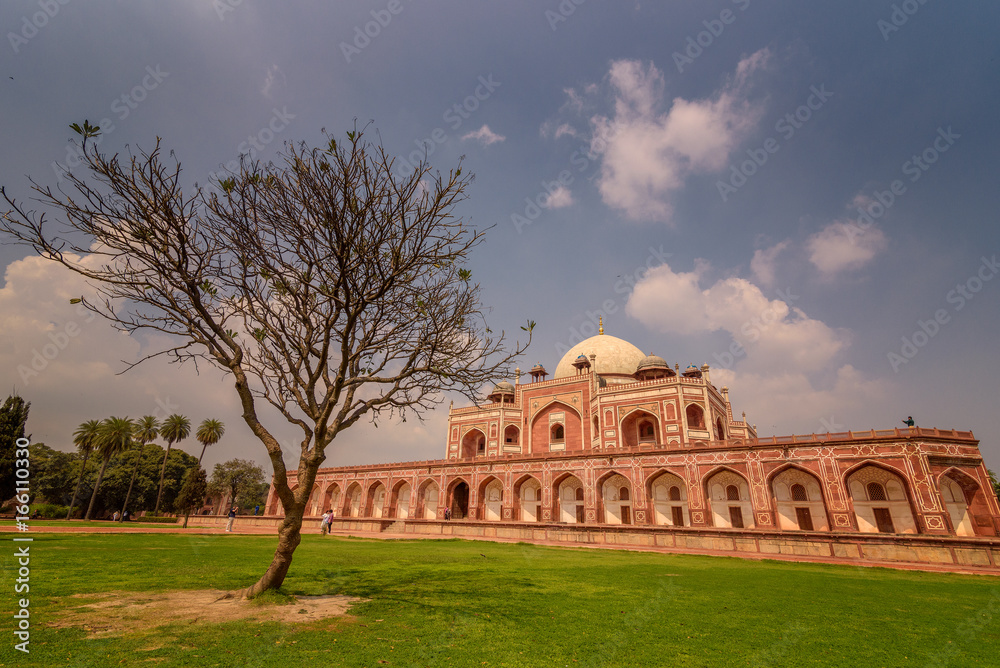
326	285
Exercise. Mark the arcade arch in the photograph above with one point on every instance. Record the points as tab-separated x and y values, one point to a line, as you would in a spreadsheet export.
491	500
729	499
528	492
799	500
473	444
569	500
881	503
695	416
616	499
427	500
352	501
963	499
402	497
458	499
331	498
639	427
377	494
670	504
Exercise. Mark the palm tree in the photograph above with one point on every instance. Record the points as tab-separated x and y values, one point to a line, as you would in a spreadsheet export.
175	428
115	436
146	431
85	440
209	433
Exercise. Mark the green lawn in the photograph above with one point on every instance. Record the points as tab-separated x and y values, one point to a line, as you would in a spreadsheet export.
461	603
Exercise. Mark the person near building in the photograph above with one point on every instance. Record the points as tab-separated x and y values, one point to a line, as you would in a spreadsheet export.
232	518
324	525
908	421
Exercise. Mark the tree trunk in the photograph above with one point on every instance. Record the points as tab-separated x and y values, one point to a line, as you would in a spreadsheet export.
128	494
203	448
186	515
83	470
100	477
289	537
163	473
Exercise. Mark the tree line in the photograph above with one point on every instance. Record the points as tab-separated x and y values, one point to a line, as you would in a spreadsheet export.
118	466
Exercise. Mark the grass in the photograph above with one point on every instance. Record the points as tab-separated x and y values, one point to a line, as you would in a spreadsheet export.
462	603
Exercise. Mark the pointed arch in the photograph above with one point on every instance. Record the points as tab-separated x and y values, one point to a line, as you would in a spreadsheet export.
614	498
459	492
695	414
376	499
512	437
428	499
352	500
473	443
543	430
963	500
527	493
568	499
639	426
400	500
728	494
797	494
491	498
881	498
720	429
331	497
313	502
669	495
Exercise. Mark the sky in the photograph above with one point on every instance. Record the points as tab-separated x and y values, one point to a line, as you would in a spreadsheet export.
801	195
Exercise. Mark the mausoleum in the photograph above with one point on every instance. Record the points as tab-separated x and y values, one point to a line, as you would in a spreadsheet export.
622	447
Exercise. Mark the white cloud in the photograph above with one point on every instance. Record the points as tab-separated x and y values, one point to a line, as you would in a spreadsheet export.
774	334
844	246
787	402
484	135
559	198
782	365
763	263
648	152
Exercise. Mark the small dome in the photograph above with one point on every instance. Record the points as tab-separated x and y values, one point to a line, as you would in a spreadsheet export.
503	387
692	372
652	362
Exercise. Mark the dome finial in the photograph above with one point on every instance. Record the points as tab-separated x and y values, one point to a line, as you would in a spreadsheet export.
600	324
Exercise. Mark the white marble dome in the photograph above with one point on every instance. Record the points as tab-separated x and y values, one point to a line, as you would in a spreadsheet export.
614	356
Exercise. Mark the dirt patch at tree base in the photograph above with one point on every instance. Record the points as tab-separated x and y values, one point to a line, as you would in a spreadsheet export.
119	612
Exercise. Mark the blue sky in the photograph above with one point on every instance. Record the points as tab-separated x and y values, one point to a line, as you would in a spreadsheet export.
697	172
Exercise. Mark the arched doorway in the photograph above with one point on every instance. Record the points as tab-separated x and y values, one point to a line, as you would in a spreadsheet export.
352	501
428	500
881	502
528	493
670	506
729	498
403	501
640	427
376	500
570	499
956	503
616	497
474	444
491	494
459	501
799	501
331	498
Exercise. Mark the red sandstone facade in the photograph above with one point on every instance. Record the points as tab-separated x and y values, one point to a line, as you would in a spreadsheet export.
618	438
